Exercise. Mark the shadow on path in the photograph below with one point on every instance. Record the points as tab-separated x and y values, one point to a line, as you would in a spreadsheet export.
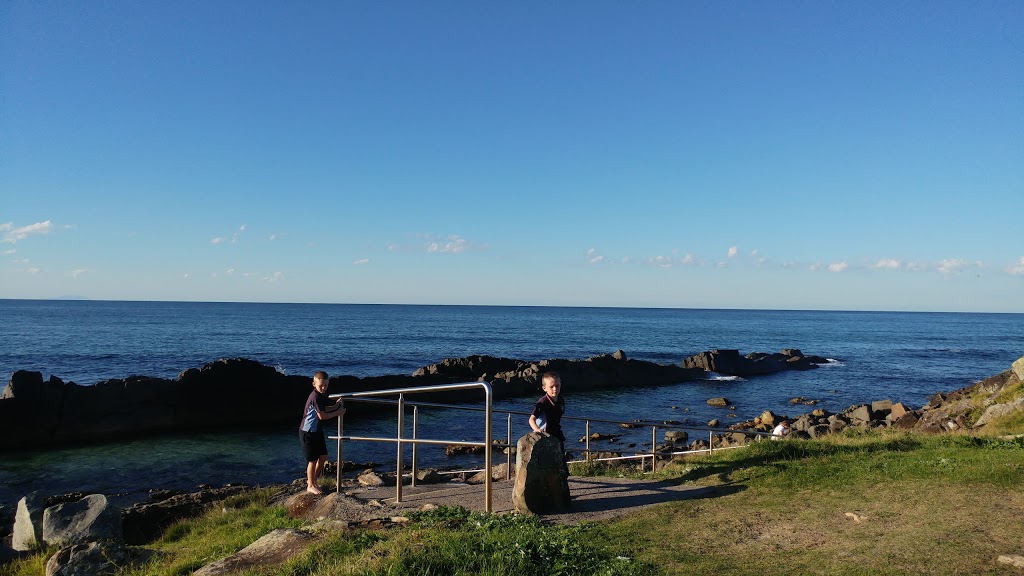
594	498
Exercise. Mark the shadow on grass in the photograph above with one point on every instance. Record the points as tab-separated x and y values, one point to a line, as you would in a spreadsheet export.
780	454
604	497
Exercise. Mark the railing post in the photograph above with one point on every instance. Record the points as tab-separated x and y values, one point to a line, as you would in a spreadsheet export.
487	449
654	448
711	442
341	461
415	445
508	450
398	467
588	441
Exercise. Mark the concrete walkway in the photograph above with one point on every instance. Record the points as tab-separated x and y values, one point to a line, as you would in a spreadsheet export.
596	498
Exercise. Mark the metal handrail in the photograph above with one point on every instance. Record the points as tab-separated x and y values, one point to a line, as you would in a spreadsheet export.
415	440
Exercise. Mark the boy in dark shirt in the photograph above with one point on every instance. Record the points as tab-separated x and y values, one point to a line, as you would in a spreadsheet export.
311	431
547	414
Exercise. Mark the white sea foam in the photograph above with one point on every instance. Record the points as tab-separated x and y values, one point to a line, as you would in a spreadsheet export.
723	378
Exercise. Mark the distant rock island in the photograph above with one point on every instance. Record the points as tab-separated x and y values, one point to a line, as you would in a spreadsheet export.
35	412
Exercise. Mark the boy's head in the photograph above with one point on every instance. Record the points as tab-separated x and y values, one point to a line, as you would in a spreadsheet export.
320	381
551	384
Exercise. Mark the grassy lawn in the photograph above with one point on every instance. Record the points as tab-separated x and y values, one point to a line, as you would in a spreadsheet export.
917	504
925	505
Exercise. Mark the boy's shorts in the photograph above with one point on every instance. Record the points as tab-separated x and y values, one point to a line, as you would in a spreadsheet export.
313	445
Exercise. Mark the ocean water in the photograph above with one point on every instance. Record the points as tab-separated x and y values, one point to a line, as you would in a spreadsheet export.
876	355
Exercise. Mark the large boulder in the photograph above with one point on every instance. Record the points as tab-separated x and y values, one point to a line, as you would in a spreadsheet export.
541	485
89	559
90	519
28	523
271	549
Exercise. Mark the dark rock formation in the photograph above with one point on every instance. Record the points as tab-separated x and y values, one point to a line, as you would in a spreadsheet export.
144	522
36	412
730	362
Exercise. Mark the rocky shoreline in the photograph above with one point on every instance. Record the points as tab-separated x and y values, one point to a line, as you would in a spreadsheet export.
143	522
37	413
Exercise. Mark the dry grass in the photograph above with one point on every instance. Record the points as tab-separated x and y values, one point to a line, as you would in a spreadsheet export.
947	509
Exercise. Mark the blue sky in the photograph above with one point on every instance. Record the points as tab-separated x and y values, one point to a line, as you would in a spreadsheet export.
793	155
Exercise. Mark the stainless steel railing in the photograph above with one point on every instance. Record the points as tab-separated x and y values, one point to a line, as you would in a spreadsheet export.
488	444
415	440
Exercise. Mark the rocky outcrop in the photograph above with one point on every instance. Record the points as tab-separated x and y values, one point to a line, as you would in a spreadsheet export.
36	412
730	362
143	522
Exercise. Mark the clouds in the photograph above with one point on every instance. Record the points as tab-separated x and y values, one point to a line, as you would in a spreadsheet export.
454	244
737	259
437	244
1017	268
12	234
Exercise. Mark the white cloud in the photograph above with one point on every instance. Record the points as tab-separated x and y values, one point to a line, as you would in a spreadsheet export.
688	259
34	270
186	275
78	272
661	261
755	252
234	237
732	251
816	266
721	265
11	251
275	277
890	263
593	257
951	266
838	266
229	271
1017	268
12	234
361	261
454	244
216	240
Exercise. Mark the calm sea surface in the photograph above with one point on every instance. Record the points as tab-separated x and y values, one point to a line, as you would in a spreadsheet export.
901	356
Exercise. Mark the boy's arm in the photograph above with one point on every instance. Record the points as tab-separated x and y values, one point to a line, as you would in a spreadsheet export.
533	424
332	411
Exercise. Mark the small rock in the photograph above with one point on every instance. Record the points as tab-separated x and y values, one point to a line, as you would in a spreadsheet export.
428	507
1012	559
370	479
858	518
719	401
400	519
714	423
